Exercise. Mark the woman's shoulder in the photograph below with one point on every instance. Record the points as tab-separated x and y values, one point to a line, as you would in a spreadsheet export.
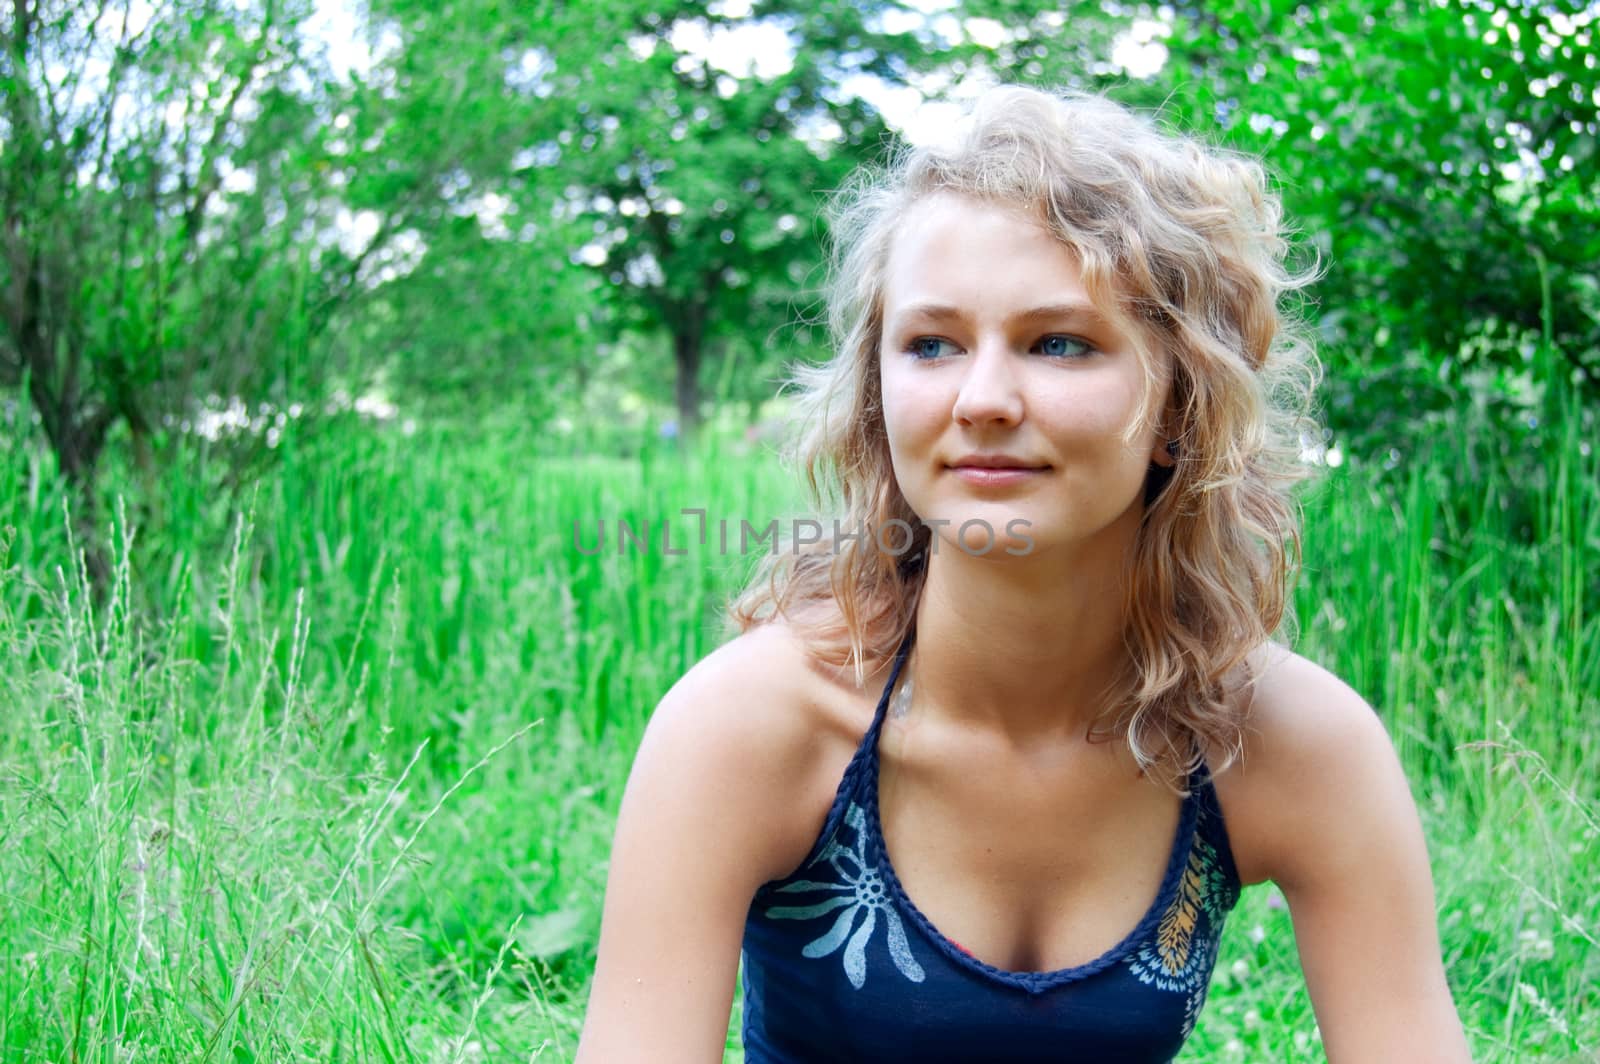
775	723
1298	706
1308	739
770	678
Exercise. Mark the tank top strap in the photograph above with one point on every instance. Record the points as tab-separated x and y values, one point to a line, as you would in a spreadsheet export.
869	741
855	773
1210	825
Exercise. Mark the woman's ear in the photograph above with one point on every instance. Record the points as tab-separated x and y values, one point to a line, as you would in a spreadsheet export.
1169	423
1164	452
1163	467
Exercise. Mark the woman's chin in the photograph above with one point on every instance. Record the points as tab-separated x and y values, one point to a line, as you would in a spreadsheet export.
981	538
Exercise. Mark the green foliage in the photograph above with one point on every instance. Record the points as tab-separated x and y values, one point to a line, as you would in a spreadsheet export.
1440	159
344	783
133	287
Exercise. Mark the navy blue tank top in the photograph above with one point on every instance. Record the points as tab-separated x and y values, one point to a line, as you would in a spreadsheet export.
840	965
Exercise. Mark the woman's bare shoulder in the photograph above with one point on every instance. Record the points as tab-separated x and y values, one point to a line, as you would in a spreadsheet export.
769	679
1301	709
1308	736
728	791
777	724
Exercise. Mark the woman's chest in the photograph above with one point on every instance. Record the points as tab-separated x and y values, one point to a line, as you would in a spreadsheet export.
965	960
1026	864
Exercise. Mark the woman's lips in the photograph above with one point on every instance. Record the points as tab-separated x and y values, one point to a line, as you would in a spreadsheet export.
990	476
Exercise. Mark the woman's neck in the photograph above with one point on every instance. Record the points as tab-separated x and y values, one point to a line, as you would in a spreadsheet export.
1029	648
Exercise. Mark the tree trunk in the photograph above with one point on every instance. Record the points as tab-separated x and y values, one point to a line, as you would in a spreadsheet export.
78	438
75	430
688	348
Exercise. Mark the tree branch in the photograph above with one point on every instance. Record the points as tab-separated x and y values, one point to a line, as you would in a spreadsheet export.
119	65
322	311
77	69
207	180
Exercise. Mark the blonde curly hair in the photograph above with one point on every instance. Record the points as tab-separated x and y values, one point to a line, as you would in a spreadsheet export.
1184	247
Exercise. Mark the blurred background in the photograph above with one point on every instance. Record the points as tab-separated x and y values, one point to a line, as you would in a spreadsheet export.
324	327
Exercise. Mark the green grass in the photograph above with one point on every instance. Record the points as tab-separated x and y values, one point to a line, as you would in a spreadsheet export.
332	773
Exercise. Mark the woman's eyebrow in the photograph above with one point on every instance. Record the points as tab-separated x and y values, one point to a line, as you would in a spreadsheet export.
944	312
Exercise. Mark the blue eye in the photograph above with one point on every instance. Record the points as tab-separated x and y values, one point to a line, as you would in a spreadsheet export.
1059	346
927	348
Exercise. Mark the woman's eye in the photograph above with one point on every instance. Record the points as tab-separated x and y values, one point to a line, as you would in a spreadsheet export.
1063	347
928	347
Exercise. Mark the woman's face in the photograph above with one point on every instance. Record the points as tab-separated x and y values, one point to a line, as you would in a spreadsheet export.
991	348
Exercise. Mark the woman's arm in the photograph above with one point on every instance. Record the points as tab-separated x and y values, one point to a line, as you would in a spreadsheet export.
708	816
1329	817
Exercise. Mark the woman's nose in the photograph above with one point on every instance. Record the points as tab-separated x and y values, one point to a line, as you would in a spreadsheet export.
991	390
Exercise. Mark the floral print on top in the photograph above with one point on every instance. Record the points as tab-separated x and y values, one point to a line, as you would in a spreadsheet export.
1184	949
864	891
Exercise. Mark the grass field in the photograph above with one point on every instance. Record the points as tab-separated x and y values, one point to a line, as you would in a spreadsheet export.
331	774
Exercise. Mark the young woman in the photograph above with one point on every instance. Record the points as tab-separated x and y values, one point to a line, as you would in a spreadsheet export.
989	765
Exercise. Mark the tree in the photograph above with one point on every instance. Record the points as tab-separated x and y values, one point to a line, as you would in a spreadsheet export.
191	199
691	183
701	182
126	279
1441	157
